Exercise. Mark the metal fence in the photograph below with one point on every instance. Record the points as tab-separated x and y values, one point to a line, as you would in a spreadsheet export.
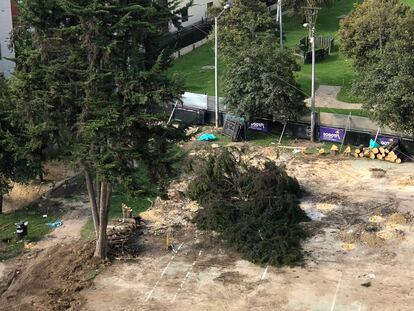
188	35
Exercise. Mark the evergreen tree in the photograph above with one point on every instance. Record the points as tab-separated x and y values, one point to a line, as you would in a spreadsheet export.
259	80
100	74
14	165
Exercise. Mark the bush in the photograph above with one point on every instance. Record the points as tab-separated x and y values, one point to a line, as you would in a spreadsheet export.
256	210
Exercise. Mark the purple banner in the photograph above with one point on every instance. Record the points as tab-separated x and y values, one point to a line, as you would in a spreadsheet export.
331	134
385	140
259	126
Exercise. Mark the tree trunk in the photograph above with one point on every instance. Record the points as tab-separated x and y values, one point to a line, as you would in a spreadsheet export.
98	194
92	198
102	241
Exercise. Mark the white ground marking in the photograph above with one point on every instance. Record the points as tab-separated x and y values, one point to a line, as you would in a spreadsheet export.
336	293
264	273
162	273
186	277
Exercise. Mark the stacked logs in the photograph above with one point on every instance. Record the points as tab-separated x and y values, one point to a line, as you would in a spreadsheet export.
119	232
390	153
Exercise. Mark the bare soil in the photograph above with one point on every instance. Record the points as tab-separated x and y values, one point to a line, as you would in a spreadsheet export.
359	258
51	274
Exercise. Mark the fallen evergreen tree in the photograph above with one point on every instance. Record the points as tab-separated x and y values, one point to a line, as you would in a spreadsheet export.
255	210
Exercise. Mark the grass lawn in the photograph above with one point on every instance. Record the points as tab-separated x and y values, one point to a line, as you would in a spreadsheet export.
354	112
408	2
37	228
137	204
335	70
190	67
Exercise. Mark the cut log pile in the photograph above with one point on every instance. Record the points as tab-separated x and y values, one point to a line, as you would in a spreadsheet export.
119	231
390	153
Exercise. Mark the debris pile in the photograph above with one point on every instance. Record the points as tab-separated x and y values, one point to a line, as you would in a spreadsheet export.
176	212
377	231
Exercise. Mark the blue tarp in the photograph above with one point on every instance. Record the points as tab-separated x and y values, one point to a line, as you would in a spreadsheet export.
207	137
373	144
55	224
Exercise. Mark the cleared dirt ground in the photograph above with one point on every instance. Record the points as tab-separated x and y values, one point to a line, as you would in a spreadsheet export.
359	258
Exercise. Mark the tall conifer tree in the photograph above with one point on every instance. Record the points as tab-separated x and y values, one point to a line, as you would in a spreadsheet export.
89	75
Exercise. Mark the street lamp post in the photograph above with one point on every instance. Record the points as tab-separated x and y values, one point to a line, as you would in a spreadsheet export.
311	15
279	20
216	57
313	114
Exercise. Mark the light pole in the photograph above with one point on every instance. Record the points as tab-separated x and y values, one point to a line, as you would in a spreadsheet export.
216	86
279	15
311	15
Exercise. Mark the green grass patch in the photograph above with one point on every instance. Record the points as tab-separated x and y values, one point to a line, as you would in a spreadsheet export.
190	67
410	3
37	228
265	139
354	112
335	70
138	205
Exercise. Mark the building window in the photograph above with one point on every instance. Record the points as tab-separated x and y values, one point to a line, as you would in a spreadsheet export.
184	15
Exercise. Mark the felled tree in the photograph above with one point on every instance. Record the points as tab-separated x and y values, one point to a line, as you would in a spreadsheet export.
369	28
101	70
255	210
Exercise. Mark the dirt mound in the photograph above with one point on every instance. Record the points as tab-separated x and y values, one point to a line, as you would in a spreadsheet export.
53	280
377	172
166	215
377	231
406	182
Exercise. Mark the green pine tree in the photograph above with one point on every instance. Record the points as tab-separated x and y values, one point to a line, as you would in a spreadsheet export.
100	75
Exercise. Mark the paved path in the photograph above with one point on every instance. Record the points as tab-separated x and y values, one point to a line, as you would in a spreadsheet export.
326	97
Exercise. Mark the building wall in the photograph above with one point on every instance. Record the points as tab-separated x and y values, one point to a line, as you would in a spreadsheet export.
196	12
6	26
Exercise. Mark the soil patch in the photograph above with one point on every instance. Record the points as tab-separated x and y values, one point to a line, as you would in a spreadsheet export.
53	280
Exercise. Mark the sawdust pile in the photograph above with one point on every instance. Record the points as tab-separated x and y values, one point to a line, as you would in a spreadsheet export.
53	279
406	182
378	231
174	213
252	155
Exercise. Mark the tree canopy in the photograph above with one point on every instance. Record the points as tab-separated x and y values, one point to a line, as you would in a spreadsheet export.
14	163
369	28
246	22
379	37
387	85
259	79
90	76
259	82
